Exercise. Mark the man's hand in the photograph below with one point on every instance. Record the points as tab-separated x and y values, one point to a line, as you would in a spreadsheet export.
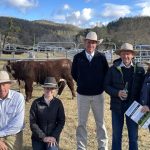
145	108
3	146
122	94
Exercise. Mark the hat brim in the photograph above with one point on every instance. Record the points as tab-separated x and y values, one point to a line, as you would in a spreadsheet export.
50	86
98	41
123	50
147	63
7	81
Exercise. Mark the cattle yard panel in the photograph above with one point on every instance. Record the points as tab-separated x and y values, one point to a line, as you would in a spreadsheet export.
54	46
143	55
107	48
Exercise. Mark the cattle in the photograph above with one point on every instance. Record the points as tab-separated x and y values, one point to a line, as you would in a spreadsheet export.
36	71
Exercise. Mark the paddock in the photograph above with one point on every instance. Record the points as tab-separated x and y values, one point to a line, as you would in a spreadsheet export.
68	138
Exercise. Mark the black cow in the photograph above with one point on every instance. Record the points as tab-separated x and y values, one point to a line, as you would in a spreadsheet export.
37	71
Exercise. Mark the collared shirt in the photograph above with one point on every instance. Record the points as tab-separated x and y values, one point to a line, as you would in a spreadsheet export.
123	65
89	56
47	101
12	111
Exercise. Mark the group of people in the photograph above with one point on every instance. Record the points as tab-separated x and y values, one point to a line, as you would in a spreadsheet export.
47	117
93	76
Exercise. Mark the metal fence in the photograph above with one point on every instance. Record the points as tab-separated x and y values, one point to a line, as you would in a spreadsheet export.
56	50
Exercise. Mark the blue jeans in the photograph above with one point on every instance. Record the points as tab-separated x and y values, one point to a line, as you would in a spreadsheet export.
117	127
39	145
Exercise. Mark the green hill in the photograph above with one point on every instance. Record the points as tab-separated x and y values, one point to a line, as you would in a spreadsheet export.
35	31
135	30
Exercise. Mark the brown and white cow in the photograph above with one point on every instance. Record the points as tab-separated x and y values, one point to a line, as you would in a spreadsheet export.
37	71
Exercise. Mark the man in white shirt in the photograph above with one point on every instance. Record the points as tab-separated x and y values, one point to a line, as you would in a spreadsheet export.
12	107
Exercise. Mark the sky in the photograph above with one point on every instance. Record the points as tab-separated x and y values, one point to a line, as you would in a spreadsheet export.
82	13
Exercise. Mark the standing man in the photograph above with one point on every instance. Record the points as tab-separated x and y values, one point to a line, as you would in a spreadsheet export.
88	70
12	107
124	72
145	92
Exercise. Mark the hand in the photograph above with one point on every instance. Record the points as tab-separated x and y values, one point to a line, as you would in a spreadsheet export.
145	108
122	94
50	140
3	146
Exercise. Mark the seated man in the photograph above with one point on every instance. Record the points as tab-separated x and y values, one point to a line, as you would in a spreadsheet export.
12	107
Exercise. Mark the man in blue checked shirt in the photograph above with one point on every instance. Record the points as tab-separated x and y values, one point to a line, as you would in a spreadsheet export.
12	107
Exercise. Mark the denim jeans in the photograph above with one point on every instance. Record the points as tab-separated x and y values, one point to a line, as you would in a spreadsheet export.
117	129
39	145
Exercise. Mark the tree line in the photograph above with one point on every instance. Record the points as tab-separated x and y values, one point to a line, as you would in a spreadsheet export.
135	30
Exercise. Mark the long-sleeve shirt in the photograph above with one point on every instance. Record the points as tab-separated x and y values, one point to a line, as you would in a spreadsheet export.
12	110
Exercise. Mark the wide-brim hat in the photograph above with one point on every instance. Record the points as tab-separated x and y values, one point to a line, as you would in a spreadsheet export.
126	47
147	62
93	37
50	82
4	77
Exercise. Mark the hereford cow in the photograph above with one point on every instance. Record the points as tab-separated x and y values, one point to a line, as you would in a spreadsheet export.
37	71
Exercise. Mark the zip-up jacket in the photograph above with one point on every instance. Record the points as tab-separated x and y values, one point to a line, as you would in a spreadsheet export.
114	82
145	93
46	120
89	75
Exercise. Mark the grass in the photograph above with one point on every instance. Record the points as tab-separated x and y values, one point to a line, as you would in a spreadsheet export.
68	139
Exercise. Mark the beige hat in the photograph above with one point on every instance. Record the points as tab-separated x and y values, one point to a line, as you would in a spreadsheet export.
4	77
50	82
147	62
126	47
93	36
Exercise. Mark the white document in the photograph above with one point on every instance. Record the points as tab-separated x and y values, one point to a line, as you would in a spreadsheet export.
134	112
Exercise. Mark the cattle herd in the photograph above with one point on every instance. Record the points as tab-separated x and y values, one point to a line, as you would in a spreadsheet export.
37	71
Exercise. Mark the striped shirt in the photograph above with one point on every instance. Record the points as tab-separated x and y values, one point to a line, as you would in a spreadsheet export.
12	111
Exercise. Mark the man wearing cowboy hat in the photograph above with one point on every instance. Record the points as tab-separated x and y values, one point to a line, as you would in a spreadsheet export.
124	72
12	107
47	118
145	92
89	69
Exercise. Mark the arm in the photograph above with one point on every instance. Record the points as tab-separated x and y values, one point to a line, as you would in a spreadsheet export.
105	65
60	121
74	69
16	123
108	84
145	95
33	123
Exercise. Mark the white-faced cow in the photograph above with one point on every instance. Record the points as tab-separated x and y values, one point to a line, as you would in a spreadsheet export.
37	71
